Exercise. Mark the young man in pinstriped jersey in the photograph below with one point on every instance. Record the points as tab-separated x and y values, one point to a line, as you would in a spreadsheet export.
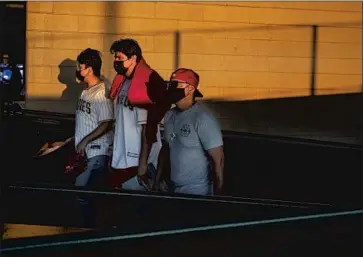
94	121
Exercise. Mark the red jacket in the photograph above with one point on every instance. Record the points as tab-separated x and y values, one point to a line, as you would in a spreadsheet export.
148	91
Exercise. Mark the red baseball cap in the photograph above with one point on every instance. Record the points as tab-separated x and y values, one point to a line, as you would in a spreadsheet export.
187	76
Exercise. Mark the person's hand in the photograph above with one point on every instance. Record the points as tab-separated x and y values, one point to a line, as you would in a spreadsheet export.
217	189
142	176
142	170
81	147
68	140
43	149
155	186
45	146
55	144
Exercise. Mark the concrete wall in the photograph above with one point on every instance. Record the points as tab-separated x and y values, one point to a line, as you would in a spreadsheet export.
242	50
336	118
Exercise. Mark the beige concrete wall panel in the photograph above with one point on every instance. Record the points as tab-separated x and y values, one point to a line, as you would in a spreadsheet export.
49	57
40	7
39	39
179	11
41	74
339	66
235	46
321	6
46	90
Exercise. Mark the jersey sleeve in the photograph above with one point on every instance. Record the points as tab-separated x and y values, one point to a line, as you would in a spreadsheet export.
104	108
209	132
141	116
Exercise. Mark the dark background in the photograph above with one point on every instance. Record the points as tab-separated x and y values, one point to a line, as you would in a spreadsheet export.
12	30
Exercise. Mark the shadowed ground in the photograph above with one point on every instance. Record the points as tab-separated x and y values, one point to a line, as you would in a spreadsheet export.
268	234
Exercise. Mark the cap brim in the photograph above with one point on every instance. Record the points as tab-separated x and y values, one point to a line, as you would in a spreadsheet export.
198	93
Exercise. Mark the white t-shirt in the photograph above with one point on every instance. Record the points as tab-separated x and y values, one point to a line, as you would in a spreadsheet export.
93	108
128	129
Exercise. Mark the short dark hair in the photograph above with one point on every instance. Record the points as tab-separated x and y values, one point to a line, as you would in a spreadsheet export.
128	47
91	58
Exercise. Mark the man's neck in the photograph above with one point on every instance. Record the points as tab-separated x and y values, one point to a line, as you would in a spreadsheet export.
185	105
130	73
92	81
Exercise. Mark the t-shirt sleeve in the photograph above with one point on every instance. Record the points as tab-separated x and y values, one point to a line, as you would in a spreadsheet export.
209	132
166	125
104	108
141	116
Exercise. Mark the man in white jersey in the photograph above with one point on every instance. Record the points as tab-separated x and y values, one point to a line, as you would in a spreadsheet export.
132	154
193	140
94	121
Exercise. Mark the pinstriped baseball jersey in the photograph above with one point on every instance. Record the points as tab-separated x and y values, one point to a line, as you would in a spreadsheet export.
128	129
93	108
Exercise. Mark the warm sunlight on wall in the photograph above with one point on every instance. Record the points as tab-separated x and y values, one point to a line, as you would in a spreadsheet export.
233	46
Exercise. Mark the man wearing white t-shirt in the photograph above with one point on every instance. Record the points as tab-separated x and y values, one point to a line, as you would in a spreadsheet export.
94	120
132	155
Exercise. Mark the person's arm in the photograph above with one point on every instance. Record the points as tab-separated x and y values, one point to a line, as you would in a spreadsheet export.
163	160
217	155
141	119
210	136
102	129
144	152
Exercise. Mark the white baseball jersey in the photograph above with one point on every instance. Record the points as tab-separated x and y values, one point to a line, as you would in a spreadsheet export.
128	129
94	108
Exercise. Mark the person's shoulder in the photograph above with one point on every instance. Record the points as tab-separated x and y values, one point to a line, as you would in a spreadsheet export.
101	92
202	111
169	114
101	86
204	114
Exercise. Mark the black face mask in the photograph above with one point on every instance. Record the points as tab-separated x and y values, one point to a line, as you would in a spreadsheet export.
119	67
79	76
176	94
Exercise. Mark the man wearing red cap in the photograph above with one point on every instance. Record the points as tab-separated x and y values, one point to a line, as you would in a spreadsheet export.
193	140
